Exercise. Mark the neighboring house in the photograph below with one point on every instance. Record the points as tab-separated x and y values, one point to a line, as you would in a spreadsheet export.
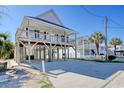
120	51
43	38
84	48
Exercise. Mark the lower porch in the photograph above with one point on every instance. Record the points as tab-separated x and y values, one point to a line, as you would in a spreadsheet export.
29	51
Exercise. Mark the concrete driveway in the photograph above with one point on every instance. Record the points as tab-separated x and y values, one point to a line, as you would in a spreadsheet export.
77	73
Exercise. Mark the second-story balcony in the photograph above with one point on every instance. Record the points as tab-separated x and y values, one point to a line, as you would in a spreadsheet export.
42	31
45	37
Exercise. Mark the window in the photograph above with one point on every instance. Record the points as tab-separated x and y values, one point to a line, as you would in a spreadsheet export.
35	33
38	33
57	37
27	32
63	38
67	39
26	28
44	35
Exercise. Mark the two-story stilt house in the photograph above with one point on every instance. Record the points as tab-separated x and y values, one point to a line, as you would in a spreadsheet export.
43	38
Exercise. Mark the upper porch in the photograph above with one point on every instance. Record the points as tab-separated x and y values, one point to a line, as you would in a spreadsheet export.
33	29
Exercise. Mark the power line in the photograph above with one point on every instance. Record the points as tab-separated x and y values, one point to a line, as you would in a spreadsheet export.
2	6
91	13
116	23
111	27
109	19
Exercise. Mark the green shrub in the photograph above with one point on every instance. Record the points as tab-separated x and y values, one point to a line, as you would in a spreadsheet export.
111	57
3	66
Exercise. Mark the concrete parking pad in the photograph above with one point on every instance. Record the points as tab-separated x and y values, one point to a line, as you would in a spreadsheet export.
78	73
73	80
118	82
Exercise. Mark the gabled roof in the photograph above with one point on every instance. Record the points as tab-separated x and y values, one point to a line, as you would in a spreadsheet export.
42	18
51	17
49	22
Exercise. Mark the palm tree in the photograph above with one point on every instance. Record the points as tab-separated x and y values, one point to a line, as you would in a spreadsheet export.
115	42
4	36
97	38
6	47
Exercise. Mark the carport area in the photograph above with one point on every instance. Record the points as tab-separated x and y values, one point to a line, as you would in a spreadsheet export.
78	73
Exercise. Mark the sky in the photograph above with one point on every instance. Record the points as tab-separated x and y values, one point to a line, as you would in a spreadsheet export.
74	17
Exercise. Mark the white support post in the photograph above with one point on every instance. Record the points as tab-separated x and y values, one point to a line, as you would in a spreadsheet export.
68	52
50	51
18	53
65	46
57	53
62	52
39	52
29	47
29	57
43	66
75	45
44	53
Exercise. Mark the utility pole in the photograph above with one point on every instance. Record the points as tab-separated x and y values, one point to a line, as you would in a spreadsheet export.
106	46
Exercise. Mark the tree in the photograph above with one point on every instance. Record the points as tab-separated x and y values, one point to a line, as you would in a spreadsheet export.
115	42
97	38
4	36
6	47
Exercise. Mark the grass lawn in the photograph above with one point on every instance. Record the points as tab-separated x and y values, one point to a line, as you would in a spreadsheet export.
45	82
116	61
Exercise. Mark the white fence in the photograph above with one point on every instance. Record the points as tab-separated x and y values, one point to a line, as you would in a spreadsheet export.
90	57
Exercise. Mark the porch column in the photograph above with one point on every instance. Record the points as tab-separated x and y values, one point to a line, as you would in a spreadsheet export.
57	53
75	45
50	51
68	52
18	53
40	52
29	47
25	54
44	53
65	46
62	52
35	53
52	54
29	50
